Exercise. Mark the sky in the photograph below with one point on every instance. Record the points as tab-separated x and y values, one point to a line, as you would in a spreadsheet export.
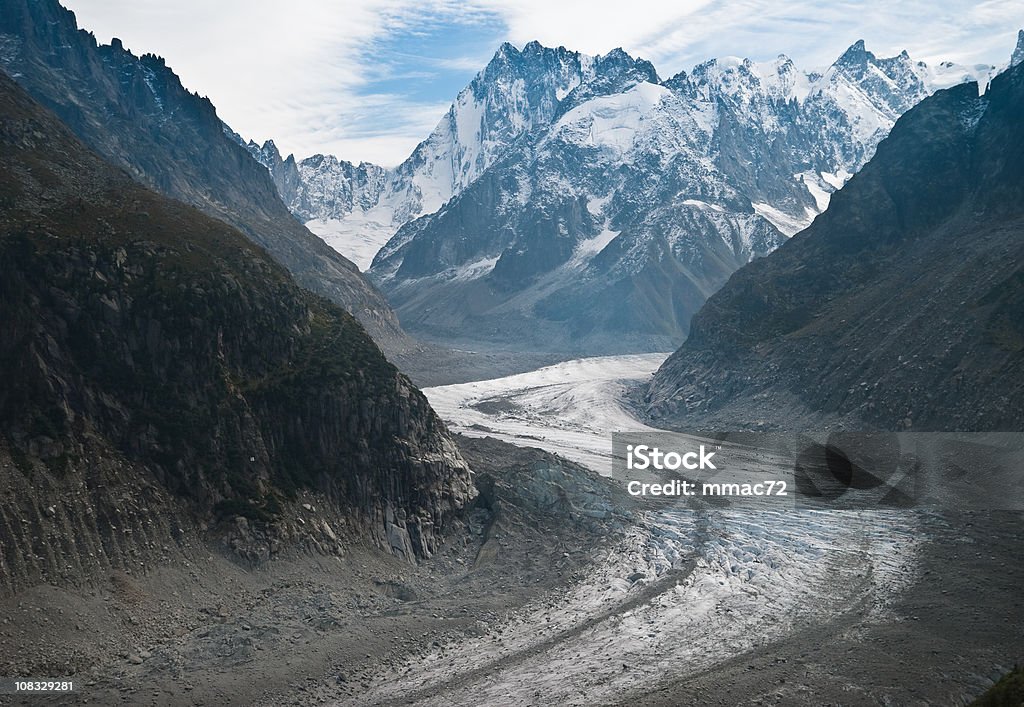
367	81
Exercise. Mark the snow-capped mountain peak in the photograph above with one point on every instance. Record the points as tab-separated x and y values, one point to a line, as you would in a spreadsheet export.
722	115
517	92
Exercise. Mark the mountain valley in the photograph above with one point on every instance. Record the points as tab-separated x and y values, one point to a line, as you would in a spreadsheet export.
222	484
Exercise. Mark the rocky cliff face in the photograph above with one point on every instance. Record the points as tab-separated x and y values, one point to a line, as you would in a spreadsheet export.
626	200
134	112
899	307
162	375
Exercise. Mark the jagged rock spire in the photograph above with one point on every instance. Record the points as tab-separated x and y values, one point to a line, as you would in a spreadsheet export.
1018	52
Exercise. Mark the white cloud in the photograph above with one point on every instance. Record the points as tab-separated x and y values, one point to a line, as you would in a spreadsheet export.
593	26
463	63
298	71
354	133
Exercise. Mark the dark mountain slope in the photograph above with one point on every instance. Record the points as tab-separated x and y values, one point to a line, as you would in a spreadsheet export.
901	306
160	372
134	112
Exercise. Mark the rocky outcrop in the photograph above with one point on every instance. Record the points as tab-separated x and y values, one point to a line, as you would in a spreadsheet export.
163	377
135	113
899	308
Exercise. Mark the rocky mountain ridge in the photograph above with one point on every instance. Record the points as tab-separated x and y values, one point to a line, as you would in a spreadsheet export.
135	112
